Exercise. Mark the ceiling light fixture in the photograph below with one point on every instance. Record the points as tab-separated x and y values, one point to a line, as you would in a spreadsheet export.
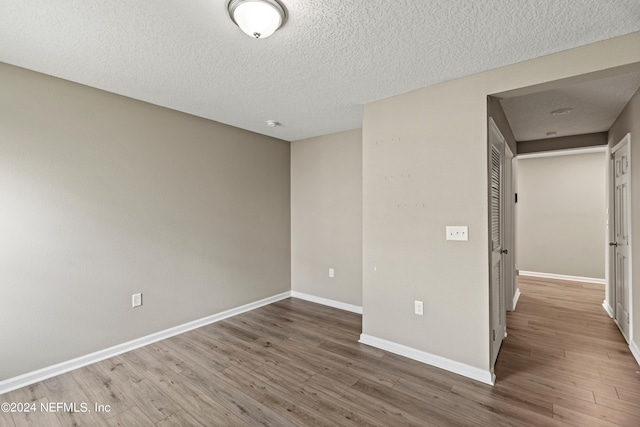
561	111
552	133
272	123
257	18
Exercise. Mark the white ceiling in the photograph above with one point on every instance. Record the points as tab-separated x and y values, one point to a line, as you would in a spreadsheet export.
595	106
314	74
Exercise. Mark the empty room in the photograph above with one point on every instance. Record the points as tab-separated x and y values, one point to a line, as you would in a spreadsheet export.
299	213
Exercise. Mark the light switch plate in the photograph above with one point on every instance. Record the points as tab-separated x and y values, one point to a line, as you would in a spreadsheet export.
457	232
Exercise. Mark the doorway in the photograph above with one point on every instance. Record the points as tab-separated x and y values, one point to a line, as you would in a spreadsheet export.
557	128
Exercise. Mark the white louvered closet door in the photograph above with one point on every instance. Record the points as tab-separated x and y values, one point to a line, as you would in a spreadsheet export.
496	177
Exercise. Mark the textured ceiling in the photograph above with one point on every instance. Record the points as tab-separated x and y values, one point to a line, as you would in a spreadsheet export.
595	106
315	73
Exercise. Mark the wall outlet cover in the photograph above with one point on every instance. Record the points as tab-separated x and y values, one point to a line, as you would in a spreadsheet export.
419	308
136	300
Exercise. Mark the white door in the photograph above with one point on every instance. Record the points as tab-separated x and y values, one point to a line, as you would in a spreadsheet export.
620	244
496	273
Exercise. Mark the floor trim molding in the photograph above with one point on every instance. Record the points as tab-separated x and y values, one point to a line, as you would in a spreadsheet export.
328	302
516	298
484	376
69	365
563	277
607	308
635	350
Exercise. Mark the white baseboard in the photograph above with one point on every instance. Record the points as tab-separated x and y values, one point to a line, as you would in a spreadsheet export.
607	308
562	277
516	297
484	376
626	338
328	302
635	350
60	368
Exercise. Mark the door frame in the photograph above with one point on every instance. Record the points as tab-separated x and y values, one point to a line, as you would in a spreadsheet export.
610	296
510	276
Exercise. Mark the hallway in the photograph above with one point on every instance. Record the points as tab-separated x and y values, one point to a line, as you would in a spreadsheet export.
564	355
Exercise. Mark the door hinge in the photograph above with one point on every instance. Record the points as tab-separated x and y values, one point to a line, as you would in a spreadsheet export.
494	334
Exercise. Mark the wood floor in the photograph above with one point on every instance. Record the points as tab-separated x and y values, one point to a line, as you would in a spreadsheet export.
297	363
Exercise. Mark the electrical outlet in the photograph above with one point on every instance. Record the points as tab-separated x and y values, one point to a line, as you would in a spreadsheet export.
136	300
332	273
419	308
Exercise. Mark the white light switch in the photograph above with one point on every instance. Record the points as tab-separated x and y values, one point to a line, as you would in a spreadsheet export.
419	308
332	273
457	232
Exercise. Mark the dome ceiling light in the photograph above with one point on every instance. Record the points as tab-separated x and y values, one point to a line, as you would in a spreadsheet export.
257	18
561	111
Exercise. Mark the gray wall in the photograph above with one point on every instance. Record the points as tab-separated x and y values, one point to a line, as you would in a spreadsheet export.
495	111
425	167
326	216
561	213
563	143
629	122
103	196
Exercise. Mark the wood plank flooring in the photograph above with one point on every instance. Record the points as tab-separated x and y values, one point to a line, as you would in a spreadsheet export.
295	363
